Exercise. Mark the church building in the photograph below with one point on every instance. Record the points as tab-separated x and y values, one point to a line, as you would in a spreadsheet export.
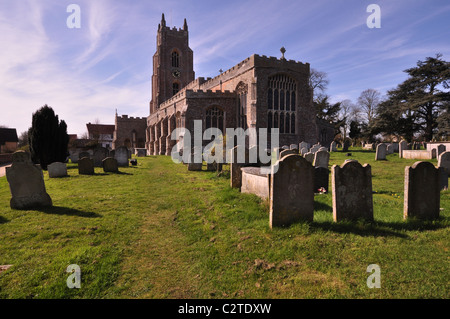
258	92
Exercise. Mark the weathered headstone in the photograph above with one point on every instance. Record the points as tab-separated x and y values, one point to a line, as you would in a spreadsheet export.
380	154
291	191
86	166
196	155
288	152
440	150
352	191
140	152
110	165
57	169
333	147
444	161
121	155
239	158
443	179
402	146
346	146
293	147
321	159
309	157
303	151
26	182
390	149
314	148
321	179
303	145
422	191
100	153
285	147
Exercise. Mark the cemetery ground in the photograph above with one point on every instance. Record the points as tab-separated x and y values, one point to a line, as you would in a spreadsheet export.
157	230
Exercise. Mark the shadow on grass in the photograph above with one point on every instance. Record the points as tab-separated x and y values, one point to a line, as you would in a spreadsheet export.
58	210
379	228
322	206
3	220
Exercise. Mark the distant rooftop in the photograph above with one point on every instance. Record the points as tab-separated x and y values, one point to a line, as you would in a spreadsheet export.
8	135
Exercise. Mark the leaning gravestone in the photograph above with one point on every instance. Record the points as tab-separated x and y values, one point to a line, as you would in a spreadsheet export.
321	159
121	155
26	182
100	153
422	191
380	154
321	179
291	191
110	165
57	169
288	152
444	162
86	166
352	191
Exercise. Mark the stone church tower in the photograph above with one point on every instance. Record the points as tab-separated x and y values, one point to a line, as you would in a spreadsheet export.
173	63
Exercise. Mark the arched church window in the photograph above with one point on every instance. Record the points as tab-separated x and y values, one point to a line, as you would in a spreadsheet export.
281	104
242	90
214	118
175	59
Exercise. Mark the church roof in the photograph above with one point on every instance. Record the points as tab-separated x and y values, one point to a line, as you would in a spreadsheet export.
8	135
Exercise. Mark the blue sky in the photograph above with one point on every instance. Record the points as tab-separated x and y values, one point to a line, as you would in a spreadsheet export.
86	74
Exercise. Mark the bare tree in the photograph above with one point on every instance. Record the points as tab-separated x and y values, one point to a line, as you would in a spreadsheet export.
318	81
369	101
347	108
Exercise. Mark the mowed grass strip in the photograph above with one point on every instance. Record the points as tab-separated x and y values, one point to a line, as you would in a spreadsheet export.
160	231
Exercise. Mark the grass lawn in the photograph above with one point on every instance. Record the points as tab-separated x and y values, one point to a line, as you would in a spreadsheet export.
160	231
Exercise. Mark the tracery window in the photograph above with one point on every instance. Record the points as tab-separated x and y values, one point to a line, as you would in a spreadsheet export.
242	91
281	103
214	118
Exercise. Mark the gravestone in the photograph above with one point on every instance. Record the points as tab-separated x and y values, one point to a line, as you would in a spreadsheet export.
26	183
321	159
309	157
239	159
315	148
422	191
390	149
443	179
333	147
86	166
192	166
84	154
291	191
140	152
303	151
380	154
321	178
440	150
288	152
293	147
285	147
57	169
110	165
402	146
346	146
100	153
121	155
444	162
352	191
303	145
